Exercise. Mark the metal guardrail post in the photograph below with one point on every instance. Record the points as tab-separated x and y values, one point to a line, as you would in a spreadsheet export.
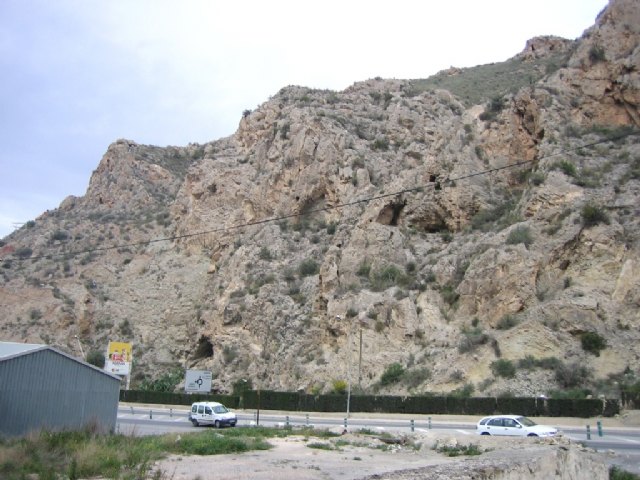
150	414
429	423
307	419
588	432
345	423
599	428
413	425
171	412
286	423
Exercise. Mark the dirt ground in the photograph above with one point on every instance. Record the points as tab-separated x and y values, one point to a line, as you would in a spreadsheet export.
352	456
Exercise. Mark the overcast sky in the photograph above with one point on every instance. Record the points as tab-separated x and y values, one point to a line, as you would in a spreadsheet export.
76	75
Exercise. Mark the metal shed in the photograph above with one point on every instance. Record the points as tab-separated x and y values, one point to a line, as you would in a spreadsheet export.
44	388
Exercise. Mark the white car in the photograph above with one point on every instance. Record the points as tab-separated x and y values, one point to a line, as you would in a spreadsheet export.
513	425
212	413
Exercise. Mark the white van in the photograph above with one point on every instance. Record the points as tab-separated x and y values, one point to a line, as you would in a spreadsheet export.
212	413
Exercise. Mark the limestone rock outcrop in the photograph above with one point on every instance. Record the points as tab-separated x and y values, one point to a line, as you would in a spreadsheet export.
441	224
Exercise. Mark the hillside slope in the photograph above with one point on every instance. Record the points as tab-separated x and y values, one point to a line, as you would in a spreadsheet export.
475	231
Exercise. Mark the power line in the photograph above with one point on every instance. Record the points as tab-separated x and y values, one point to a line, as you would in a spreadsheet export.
318	210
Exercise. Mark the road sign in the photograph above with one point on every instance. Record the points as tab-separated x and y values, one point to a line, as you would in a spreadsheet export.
197	381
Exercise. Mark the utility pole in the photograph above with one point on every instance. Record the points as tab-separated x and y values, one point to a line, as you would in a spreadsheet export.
360	362
81	350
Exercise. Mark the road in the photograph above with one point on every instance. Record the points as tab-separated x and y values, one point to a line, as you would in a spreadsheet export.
622	445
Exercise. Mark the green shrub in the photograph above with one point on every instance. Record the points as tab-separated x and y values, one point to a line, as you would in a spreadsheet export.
308	267
507	322
464	392
457	450
60	235
339	387
570	393
24	252
596	54
503	368
537	178
380	144
96	358
520	234
527	363
502	214
364	269
549	363
593	215
265	254
392	374
387	277
572	375
592	342
449	294
566	167
167	382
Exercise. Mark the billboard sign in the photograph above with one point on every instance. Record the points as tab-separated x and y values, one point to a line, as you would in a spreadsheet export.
119	358
197	381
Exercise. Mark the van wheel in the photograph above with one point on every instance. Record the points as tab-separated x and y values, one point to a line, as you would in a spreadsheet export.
195	422
217	424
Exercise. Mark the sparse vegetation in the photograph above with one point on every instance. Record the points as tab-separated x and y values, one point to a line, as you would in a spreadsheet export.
392	374
88	454
386	277
593	215
507	322
520	234
265	254
457	450
572	375
503	368
96	358
308	267
566	167
166	382
498	216
339	387
464	392
592	342
597	54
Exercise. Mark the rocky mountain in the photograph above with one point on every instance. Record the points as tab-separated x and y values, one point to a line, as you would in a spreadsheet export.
476	231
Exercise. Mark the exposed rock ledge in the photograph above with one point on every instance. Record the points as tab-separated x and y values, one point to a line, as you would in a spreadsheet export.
522	462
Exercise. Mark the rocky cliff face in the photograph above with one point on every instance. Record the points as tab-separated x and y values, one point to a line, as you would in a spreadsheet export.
457	226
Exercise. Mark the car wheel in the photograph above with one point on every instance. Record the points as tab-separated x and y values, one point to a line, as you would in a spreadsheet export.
532	435
195	422
485	433
217	424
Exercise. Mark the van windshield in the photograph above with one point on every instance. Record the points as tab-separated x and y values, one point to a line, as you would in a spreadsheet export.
220	409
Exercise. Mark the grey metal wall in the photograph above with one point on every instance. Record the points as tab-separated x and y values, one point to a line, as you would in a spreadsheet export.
47	390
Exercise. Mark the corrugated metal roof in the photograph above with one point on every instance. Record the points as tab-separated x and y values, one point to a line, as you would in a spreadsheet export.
11	349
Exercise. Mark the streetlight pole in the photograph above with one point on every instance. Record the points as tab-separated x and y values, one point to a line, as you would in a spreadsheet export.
348	367
81	350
